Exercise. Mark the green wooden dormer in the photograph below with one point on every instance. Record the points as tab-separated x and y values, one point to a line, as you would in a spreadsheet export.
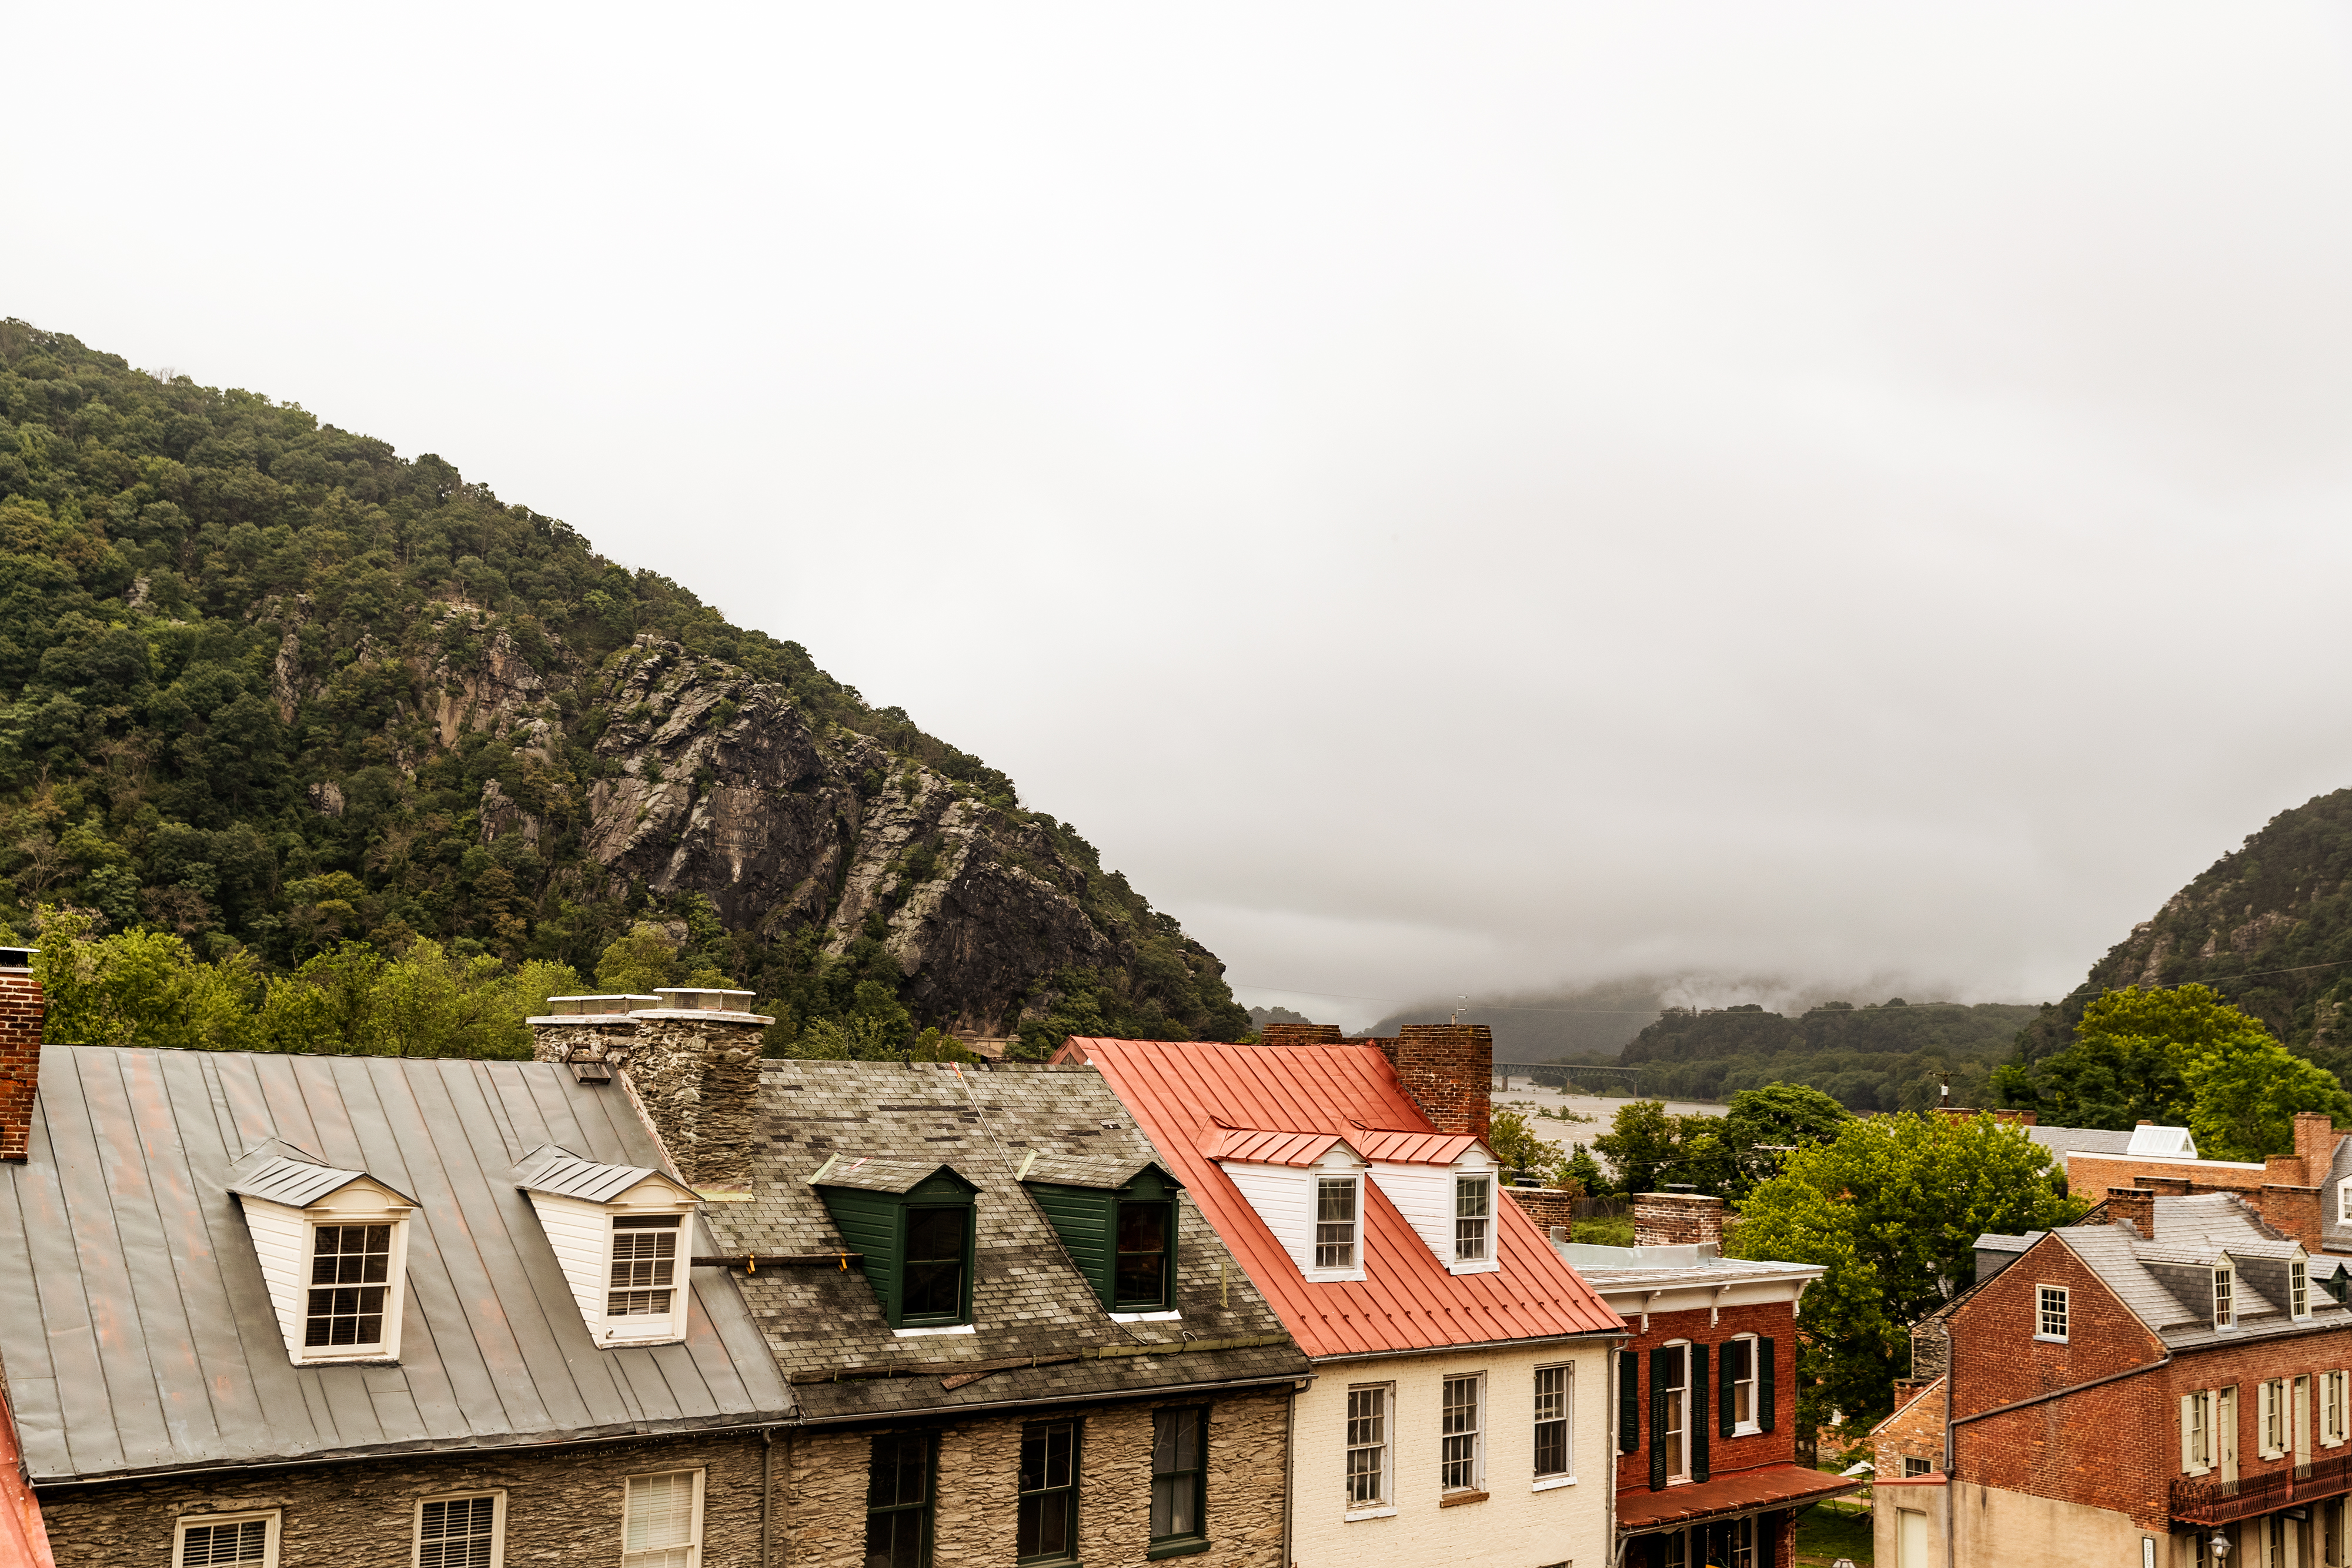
917	1225
1118	1222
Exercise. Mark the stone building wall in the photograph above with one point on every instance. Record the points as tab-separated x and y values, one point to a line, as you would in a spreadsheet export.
563	1505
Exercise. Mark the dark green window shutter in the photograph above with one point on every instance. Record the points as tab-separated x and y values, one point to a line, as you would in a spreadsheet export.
1083	1217
1724	1404
1629	1401
1765	1405
1698	1412
1657	1418
868	1223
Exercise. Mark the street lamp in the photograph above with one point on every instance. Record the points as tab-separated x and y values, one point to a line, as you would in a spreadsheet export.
2220	1547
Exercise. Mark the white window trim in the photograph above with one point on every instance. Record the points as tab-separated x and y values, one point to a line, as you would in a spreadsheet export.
2298	1269
1678	1465
1492	1262
1567	1478
1753	1425
498	1523
269	1541
2332	1435
2197	1410
2270	1410
1477	1434
2225	1276
2065	1313
1316	1273
2344	1201
1384	1504
395	1298
694	1532
670	1328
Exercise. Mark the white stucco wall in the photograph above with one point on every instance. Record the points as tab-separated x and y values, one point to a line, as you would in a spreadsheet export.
1998	1529
1516	1526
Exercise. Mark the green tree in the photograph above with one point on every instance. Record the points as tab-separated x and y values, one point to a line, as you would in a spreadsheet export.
1891	1207
638	963
1643	1145
2244	1096
1521	1149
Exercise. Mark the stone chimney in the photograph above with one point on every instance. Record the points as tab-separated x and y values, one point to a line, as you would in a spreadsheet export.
2136	1203
21	1009
1301	1034
1677	1220
2315	1141
689	1057
1448	1069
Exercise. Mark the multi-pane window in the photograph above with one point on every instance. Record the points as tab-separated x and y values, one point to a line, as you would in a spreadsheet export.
2272	1415
2332	1391
1739	1383
661	1521
1142	1277
1553	1457
2196	1433
2224	1313
1473	1200
2050	1313
899	1501
1368	1446
1743	1542
645	1266
246	1541
935	1241
2298	1287
1677	1551
1180	1446
350	1278
1674	1390
1334	1222
457	1532
1460	1431
1046	1527
2344	1201
1915	1466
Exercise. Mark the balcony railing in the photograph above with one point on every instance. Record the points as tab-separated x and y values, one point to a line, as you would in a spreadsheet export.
2226	1502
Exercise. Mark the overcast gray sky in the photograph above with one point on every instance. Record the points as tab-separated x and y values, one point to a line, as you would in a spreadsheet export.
1448	498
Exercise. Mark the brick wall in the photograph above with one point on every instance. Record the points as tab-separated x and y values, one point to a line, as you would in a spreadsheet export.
563	1507
1547	1205
21	1010
1448	1069
1301	1034
1775	1321
2286	1205
1916	1430
976	1513
1676	1218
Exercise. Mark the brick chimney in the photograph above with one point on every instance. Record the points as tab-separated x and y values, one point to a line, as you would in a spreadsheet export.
1677	1220
1448	1069
2292	1210
1301	1034
690	1058
21	1009
2136	1203
2315	1141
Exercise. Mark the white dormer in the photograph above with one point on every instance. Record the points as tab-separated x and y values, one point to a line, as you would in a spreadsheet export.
334	1246
1308	1188
624	1238
1445	1186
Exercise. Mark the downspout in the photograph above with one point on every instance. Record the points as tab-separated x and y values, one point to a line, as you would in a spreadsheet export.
1951	1452
767	1490
1609	1451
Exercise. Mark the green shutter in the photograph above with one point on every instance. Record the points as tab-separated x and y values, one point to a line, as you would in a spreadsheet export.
869	1223
1657	1418
1629	1401
1085	1218
1765	1405
1700	1470
1725	1405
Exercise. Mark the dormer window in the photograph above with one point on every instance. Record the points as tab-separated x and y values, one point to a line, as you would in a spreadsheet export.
2224	1315
333	1249
1335	1221
2298	1287
1473	1210
1116	1219
623	1237
916	1228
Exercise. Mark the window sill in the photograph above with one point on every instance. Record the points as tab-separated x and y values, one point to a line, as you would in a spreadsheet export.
1748	1429
1150	1317
1459	1499
949	1328
1353	1514
1549	1482
2050	1339
376	1359
1182	1546
1490	1265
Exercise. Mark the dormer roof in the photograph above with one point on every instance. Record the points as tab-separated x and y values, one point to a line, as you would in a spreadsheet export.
277	1172
867	1173
1401	1146
1264	1146
1077	1170
557	1171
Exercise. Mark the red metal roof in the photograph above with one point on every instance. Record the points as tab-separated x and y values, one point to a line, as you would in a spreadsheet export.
1261	1147
1742	1491
1407	1299
24	1543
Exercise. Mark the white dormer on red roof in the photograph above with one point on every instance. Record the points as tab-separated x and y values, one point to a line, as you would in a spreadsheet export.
1443	1184
1308	1188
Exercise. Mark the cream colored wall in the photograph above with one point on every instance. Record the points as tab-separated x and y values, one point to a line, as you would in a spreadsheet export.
1515	1527
2000	1529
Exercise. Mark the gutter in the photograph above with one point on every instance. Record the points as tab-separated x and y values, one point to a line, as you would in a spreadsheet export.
1537	1342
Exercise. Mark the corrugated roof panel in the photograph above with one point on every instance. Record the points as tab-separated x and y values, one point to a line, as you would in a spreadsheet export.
551	1168
150	1344
1260	1147
1179	1093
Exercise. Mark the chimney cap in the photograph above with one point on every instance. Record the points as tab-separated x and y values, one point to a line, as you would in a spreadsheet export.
16	958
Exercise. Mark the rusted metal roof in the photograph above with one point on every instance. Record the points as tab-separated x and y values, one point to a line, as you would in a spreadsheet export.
1741	1491
1180	1094
23	1543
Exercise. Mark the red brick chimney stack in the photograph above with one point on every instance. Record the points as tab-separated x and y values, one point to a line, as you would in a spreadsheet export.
21	1008
2315	1141
1301	1034
1449	1071
2136	1203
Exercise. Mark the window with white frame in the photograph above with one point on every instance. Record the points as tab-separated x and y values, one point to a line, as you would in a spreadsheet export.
1368	1446
2333	1389
661	1521
1473	1205
1555	1449
2344	1201
643	1289
1462	1432
350	1298
2298	1287
2049	1314
226	1540
1673	1435
2271	1412
1335	1210
2196	1432
467	1531
1740	1385
2224	1289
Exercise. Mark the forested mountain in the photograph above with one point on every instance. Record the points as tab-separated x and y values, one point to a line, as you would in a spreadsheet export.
273	689
2268	926
1890	1057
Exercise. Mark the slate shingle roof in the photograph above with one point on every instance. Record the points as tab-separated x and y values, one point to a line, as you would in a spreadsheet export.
825	1326
138	1335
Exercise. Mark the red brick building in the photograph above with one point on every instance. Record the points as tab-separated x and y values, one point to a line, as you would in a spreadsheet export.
2128	1392
1705	1392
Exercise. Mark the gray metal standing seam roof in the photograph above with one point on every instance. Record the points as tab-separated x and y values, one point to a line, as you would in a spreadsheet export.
553	1169
140	1337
